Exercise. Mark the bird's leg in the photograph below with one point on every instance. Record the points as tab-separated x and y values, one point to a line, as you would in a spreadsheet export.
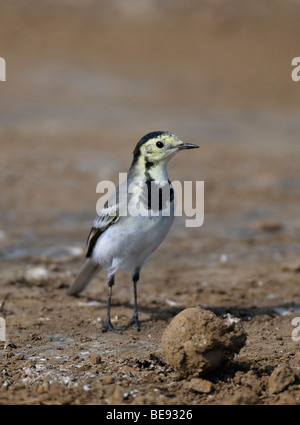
108	325
135	317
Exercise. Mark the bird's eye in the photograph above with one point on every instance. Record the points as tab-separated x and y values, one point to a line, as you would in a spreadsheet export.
159	144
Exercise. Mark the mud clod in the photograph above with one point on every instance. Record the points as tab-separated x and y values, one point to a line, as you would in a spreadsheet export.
197	341
280	379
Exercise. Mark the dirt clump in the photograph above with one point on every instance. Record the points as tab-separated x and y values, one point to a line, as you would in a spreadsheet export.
197	341
280	379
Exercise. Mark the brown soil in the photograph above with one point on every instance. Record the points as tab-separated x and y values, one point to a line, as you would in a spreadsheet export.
84	83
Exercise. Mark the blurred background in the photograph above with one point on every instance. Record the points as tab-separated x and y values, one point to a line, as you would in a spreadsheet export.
87	79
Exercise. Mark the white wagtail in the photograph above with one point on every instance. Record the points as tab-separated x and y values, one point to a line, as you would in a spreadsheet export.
125	241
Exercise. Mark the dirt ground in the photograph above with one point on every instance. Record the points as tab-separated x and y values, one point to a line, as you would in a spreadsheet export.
84	84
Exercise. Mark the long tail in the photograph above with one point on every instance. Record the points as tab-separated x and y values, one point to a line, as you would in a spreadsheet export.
84	277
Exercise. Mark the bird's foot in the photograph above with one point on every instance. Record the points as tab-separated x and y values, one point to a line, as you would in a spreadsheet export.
134	321
108	326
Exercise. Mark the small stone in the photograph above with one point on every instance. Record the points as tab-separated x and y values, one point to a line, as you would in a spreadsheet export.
107	380
84	368
280	379
95	358
118	395
17	376
43	388
37	273
269	225
245	396
199	385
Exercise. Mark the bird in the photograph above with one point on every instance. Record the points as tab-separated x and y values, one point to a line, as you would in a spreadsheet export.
134	220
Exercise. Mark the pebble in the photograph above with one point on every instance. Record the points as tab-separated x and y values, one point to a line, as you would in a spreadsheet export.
107	380
95	358
199	385
36	273
118	395
269	225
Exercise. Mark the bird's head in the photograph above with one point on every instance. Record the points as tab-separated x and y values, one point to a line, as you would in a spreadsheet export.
159	147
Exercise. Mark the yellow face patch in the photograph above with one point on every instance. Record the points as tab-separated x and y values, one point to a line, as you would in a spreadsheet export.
160	148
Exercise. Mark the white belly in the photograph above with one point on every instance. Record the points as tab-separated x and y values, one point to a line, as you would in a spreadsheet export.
128	243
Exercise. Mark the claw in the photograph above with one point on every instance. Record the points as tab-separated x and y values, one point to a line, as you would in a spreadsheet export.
132	321
108	326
